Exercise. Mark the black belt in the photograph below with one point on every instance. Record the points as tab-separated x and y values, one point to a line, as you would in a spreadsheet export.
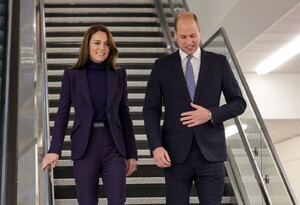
99	124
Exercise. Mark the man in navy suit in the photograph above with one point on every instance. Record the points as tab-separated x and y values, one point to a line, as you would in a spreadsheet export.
191	144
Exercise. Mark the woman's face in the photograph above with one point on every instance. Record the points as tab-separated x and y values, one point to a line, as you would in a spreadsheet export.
99	47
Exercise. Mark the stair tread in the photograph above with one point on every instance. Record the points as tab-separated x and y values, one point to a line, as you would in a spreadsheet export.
142	200
128	71
103	19
70	10
72	61
57	2
117	39
61	50
82	29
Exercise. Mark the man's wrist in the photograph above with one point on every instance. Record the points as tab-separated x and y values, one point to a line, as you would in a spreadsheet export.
210	116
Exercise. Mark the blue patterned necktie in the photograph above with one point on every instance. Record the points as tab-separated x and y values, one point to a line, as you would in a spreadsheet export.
189	75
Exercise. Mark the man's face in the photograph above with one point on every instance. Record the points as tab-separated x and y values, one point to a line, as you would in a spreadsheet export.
187	35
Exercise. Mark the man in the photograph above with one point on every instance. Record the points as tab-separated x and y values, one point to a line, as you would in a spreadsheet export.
191	145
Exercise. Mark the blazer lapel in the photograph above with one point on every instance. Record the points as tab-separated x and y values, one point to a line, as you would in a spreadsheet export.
112	83
82	80
180	75
202	75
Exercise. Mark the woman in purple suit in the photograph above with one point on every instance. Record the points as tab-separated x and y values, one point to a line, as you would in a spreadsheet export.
103	142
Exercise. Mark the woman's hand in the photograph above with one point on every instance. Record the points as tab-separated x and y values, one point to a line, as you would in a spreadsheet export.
131	166
50	160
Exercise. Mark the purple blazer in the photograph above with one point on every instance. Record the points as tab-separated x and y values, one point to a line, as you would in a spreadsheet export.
75	92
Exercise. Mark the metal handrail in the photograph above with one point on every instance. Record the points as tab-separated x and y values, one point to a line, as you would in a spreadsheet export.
253	163
172	8
165	26
185	5
257	115
6	105
48	175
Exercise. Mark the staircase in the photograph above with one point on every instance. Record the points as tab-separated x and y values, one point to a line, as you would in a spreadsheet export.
139	38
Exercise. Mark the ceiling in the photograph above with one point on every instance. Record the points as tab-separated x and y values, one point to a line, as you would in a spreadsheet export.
279	34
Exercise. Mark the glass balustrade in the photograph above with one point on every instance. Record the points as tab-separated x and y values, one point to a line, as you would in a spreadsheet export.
255	133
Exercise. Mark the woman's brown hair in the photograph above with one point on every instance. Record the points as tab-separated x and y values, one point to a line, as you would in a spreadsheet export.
84	48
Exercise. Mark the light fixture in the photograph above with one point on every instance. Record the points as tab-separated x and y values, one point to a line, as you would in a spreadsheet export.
279	57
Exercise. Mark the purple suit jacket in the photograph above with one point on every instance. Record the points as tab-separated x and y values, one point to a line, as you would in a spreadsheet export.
75	92
167	85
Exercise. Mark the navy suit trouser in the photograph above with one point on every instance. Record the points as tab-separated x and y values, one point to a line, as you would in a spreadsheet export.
100	159
208	178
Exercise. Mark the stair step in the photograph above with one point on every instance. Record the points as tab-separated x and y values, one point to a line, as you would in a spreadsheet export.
103	19
129	84
132	109
129	181
92	10
62	50
72	61
117	2
130	96
82	29
138	137
144	201
135	123
141	153
118	39
68	163
128	71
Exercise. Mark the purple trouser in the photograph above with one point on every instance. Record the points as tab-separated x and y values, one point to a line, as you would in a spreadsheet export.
100	159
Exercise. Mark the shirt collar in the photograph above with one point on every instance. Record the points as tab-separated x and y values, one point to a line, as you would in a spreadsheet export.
196	54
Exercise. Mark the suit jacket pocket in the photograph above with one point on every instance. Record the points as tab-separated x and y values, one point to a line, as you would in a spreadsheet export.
75	127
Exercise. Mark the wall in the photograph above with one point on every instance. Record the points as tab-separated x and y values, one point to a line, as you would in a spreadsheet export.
287	151
276	95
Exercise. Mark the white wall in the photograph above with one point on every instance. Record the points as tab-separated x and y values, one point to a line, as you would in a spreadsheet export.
277	95
287	151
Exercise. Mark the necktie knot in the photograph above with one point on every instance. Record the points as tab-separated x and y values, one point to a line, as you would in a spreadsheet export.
190	80
189	57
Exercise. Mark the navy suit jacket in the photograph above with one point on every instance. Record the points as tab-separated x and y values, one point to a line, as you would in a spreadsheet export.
75	91
167	86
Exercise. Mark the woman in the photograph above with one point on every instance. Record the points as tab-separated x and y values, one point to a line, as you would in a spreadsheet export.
102	136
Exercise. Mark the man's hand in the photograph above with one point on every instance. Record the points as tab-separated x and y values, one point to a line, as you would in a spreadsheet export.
196	117
161	157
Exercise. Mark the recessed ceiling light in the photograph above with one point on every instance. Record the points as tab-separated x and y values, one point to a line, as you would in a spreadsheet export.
279	57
